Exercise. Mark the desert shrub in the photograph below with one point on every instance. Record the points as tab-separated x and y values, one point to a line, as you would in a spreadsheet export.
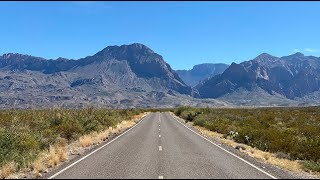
188	115
18	146
69	128
311	165
291	131
200	122
181	109
220	125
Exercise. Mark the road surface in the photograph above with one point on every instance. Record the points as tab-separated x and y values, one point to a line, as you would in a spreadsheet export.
161	147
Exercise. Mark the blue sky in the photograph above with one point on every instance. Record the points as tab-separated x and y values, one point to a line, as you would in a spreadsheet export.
184	33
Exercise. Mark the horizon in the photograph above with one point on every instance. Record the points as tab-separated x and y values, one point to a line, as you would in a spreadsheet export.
184	33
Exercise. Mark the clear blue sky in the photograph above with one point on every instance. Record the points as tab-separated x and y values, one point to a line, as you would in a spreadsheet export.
184	33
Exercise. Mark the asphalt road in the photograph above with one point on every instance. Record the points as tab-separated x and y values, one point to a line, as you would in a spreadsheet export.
161	147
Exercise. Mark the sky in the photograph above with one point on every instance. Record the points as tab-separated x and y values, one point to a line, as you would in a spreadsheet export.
184	33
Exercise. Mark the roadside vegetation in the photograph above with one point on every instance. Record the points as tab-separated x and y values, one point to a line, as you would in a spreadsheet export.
288	133
38	139
27	135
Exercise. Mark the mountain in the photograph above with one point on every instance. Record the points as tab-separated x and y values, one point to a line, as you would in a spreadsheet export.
133	75
201	72
117	76
292	77
138	65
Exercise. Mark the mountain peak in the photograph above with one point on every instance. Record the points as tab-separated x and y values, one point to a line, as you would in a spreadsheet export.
137	45
13	55
141	48
264	56
298	54
62	59
126	49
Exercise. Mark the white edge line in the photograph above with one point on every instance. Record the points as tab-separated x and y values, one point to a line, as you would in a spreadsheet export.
61	171
226	150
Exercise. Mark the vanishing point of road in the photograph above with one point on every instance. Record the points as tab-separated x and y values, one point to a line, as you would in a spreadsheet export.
158	147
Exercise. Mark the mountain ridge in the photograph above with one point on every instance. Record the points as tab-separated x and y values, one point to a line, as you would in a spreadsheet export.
118	76
285	75
135	76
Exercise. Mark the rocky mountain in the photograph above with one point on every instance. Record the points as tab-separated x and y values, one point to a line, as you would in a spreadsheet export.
128	65
117	76
135	76
293	77
201	72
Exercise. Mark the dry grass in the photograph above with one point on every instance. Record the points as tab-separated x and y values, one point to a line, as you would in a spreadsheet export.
104	135
57	153
86	141
7	170
253	152
94	138
38	165
123	125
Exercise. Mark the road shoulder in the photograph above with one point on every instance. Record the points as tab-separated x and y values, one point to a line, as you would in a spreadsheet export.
276	171
88	151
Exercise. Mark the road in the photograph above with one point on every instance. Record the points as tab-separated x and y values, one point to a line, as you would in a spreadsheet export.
161	147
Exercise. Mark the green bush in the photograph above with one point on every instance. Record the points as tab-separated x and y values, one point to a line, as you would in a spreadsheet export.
179	110
19	146
200	122
311	165
188	115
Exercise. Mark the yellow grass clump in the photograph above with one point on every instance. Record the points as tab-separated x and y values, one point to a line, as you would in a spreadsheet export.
38	165
57	153
85	141
7	170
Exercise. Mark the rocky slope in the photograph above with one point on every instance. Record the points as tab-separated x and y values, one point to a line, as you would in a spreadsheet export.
118	76
128	65
135	76
201	72
293	77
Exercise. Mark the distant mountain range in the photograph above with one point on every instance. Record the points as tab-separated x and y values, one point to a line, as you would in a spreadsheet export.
201	72
135	76
117	76
292	77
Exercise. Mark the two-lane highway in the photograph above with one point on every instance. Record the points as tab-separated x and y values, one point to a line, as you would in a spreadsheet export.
161	147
